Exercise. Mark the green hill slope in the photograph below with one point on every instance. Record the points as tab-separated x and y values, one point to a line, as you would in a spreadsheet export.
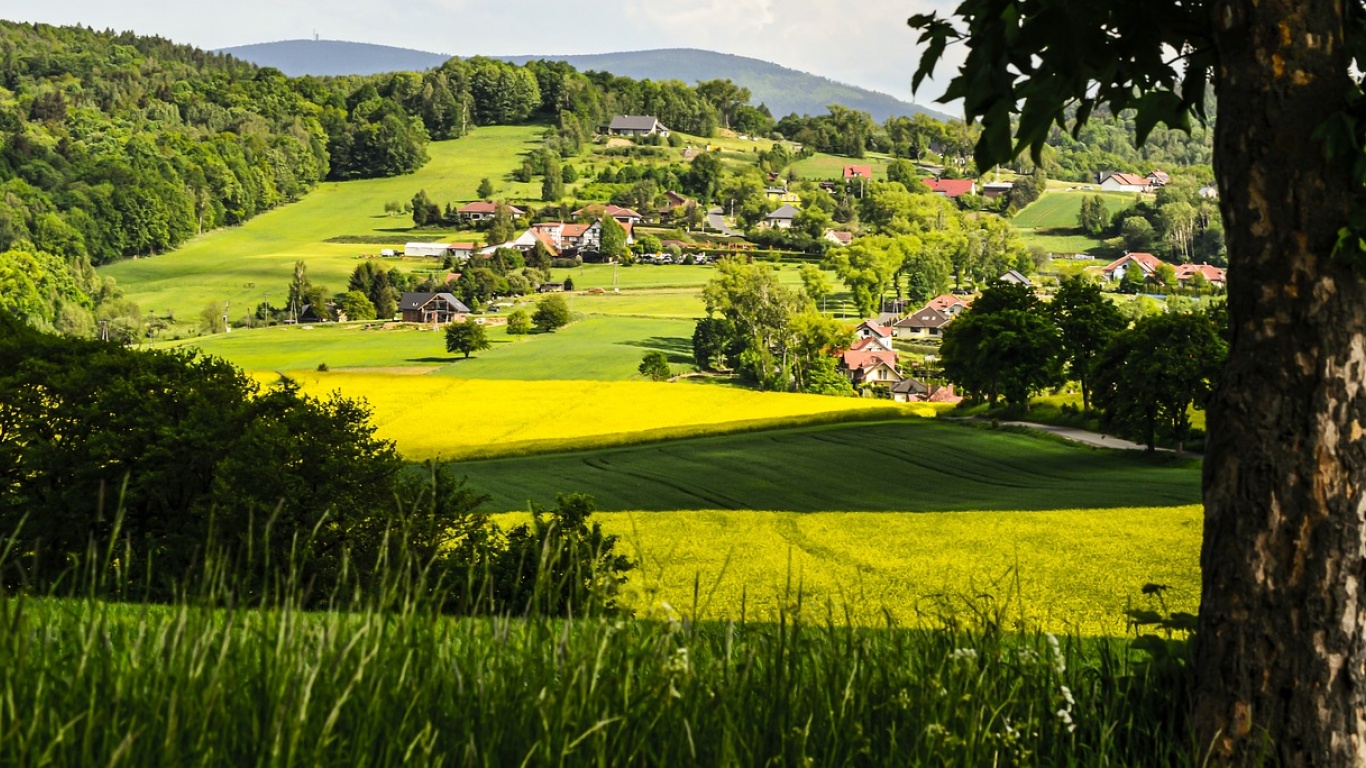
244	265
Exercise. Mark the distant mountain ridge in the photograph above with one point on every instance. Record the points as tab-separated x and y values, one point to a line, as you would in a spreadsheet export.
784	90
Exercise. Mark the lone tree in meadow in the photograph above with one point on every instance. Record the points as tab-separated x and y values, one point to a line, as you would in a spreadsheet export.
655	366
552	312
1280	665
485	190
519	323
467	337
613	245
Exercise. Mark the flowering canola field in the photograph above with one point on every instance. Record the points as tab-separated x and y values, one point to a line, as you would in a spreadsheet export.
1059	571
450	418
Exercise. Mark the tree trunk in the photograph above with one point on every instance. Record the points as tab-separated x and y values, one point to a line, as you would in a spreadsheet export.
1280	660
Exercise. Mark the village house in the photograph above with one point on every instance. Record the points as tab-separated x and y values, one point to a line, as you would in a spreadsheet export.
951	188
782	195
1158	178
1212	274
433	308
910	390
674	200
1015	276
482	210
622	215
994	189
838	238
636	125
1123	182
949	304
925	323
870	366
781	218
872	342
1145	262
871	330
852	172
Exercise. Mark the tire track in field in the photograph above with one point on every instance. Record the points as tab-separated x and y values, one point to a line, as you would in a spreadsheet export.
718	501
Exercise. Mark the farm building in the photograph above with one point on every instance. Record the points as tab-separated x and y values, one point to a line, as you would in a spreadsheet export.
439	308
994	189
438	250
636	125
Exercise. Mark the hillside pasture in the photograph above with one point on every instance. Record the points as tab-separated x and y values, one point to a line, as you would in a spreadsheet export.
1058	210
244	265
1062	571
900	466
821	166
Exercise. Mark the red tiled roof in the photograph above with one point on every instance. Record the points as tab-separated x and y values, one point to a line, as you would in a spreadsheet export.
1128	178
858	359
1210	272
951	187
880	330
485	206
1146	261
858	171
944	301
944	394
863	344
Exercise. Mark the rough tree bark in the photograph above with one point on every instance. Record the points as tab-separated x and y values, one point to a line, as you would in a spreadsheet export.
1280	651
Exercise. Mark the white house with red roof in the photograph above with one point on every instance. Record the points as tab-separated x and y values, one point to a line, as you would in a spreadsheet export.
839	238
870	366
480	210
872	342
852	172
951	188
949	304
1123	182
1159	178
871	330
1212	274
1146	262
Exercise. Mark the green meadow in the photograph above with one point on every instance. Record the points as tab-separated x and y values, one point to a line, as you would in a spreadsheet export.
1058	210
254	262
903	466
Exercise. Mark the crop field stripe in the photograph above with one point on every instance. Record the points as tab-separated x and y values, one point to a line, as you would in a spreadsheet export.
894	466
1065	570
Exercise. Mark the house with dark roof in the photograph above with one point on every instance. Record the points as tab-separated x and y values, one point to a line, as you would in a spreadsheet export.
636	125
781	218
951	188
1015	276
925	323
438	308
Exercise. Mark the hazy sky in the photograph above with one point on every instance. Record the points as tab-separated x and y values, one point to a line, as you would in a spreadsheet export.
865	43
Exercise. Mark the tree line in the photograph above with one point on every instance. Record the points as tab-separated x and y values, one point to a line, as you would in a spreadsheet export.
1144	378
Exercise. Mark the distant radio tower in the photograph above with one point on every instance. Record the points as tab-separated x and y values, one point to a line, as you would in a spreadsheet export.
315	35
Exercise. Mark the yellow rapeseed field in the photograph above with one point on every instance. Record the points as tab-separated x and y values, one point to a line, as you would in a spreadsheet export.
1060	571
451	418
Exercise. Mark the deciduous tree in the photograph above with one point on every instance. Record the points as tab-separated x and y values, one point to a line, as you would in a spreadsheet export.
1087	321
466	338
552	312
1279	661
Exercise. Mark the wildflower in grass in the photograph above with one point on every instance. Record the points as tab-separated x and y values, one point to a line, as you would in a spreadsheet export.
1055	652
964	654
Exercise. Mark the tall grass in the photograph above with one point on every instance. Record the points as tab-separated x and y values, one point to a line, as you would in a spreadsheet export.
205	681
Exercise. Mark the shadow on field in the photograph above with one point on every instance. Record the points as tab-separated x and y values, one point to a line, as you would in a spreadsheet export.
677	349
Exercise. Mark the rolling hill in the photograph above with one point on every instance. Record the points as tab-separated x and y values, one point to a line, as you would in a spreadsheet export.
784	90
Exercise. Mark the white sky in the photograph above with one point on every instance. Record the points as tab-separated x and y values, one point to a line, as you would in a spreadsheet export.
863	43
